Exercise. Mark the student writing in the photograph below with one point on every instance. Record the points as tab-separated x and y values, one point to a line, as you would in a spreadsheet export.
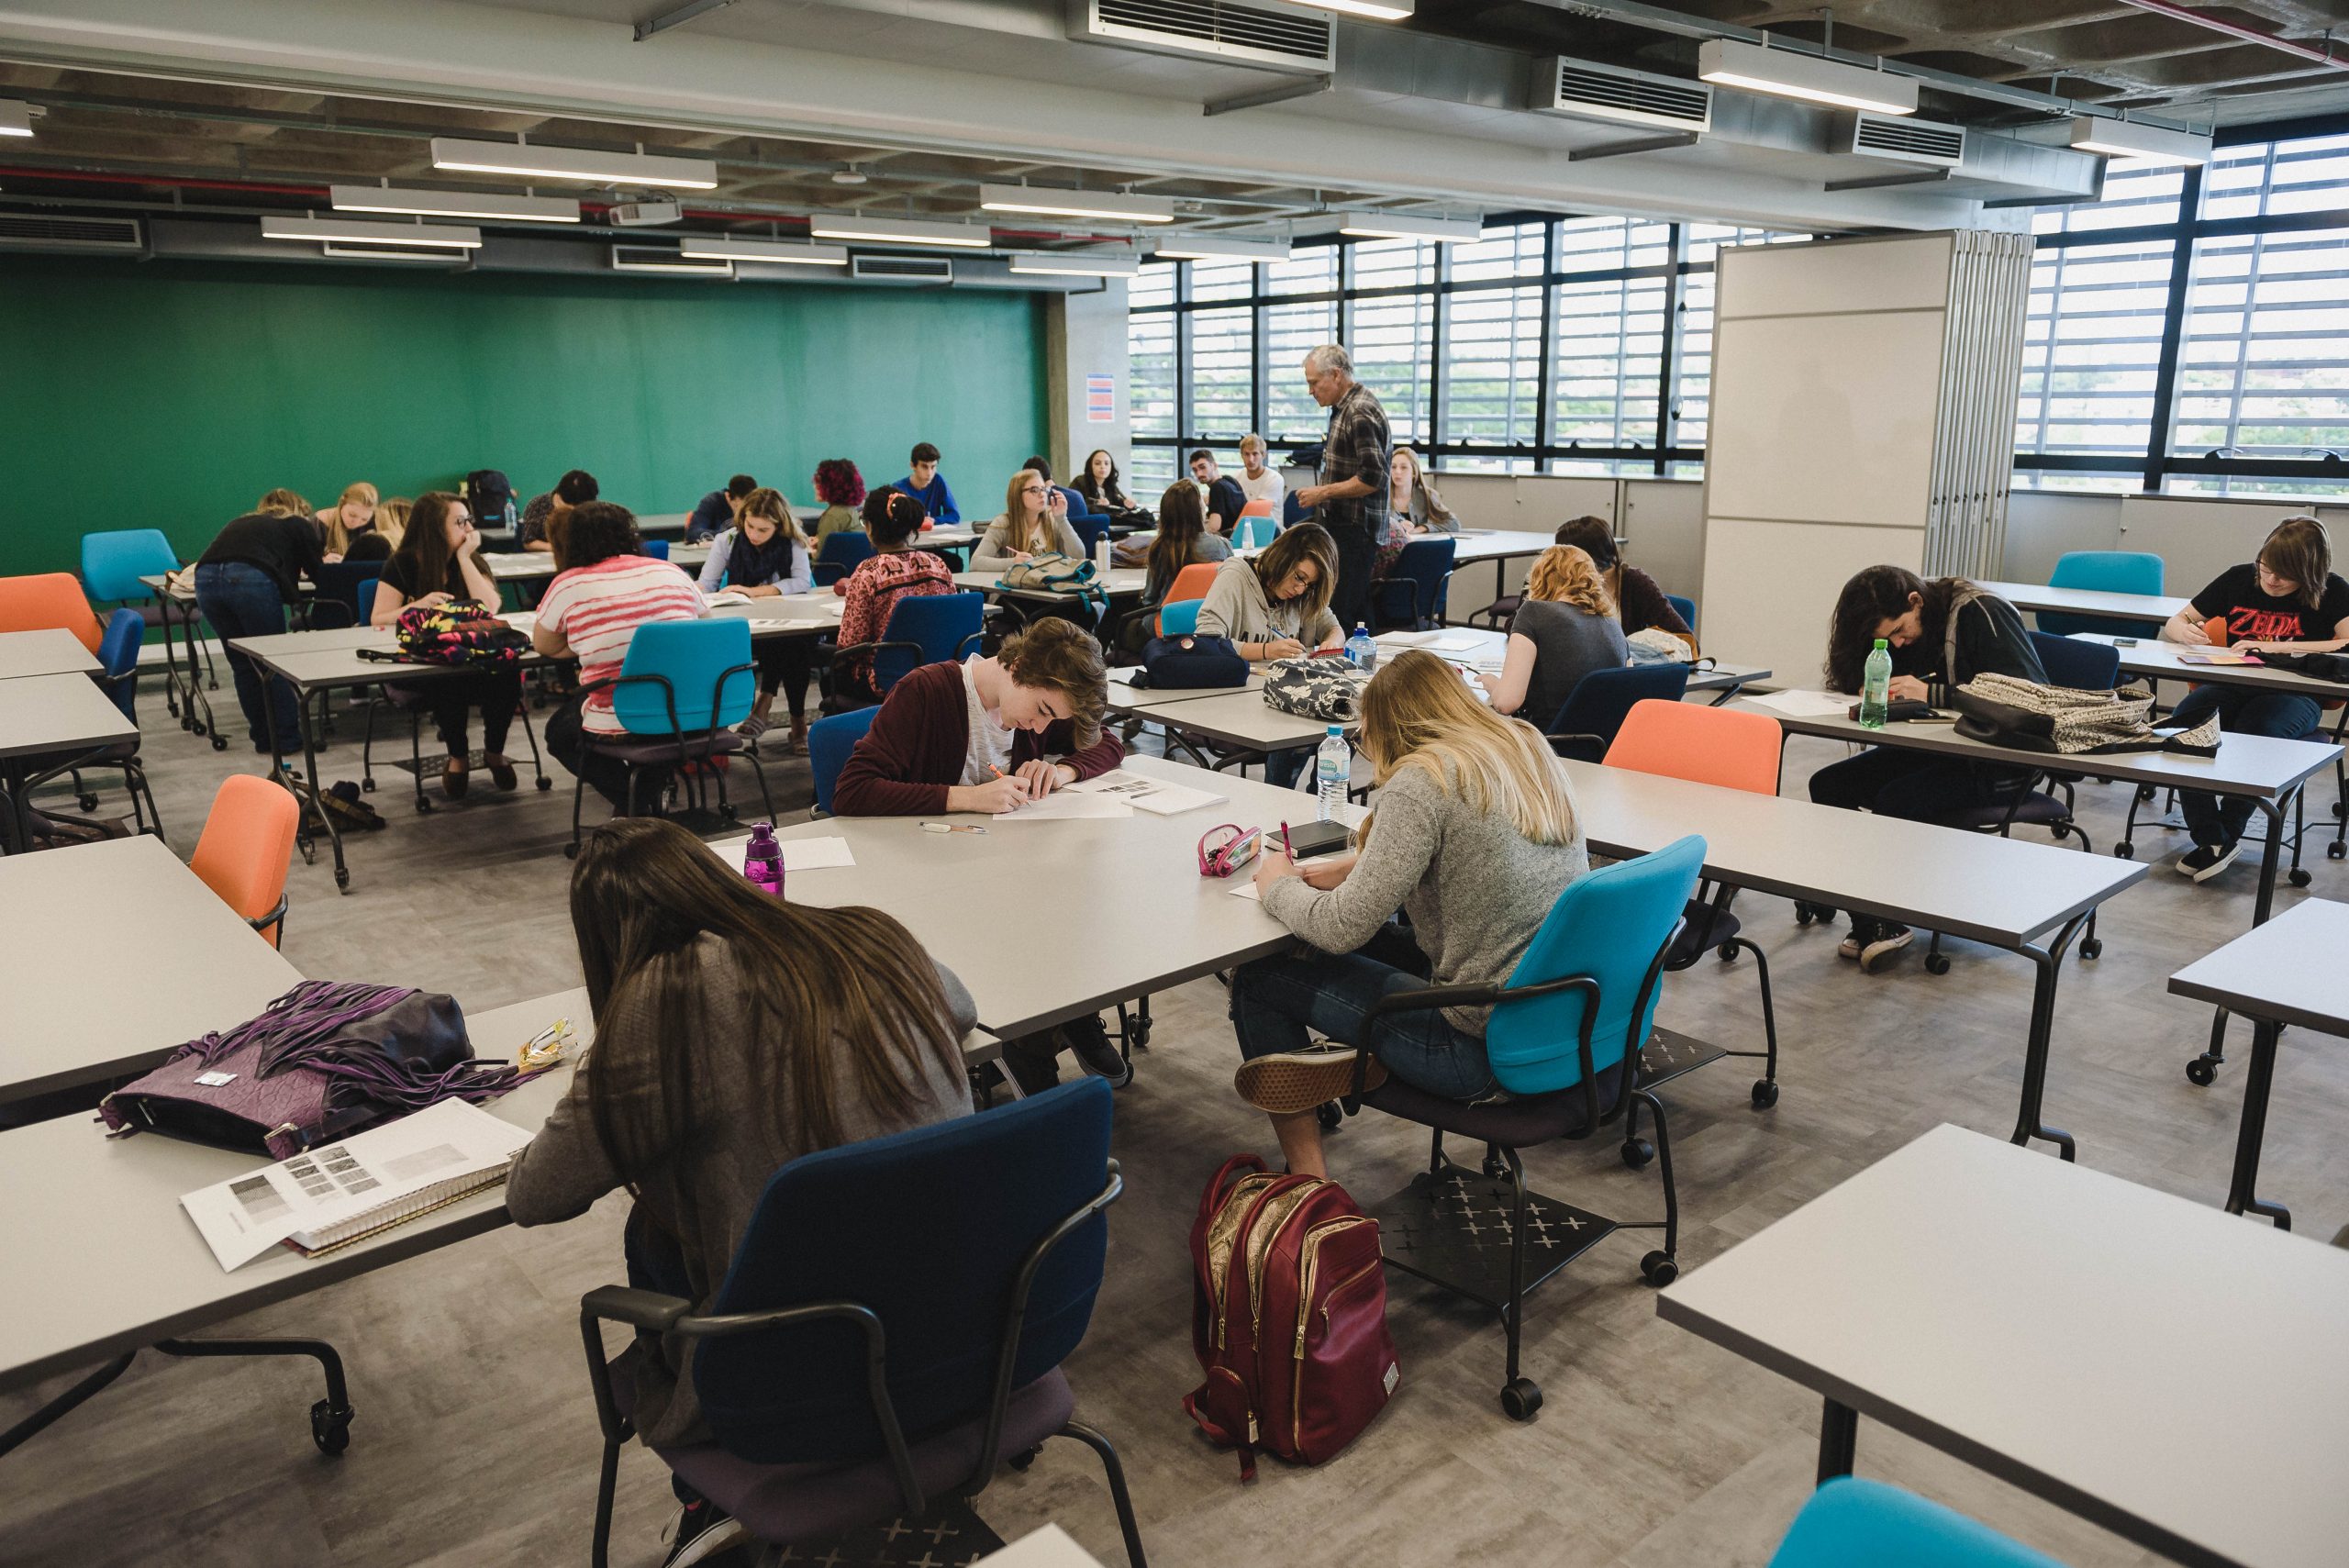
764	555
1563	630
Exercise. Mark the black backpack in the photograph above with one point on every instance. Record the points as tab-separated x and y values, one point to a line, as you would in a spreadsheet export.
490	496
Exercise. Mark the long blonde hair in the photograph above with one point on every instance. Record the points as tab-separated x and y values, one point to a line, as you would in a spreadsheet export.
391	519
1567	574
1417	713
285	503
1029	537
338	531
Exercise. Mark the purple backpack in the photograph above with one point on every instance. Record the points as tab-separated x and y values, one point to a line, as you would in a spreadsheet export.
325	1060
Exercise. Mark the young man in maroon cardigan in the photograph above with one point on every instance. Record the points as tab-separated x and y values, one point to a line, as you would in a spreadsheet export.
985	736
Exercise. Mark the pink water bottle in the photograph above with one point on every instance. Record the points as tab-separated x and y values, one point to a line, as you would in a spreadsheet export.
762	862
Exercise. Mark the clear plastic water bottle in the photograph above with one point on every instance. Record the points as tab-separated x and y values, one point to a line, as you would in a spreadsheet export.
1334	767
762	860
1362	648
1876	686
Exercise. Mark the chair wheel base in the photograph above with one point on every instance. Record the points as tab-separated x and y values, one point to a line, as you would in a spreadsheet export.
330	1427
1728	951
2298	876
2092	947
2124	850
1765	1094
1638	1153
1521	1398
2336	850
1659	1269
1936	964
2202	1071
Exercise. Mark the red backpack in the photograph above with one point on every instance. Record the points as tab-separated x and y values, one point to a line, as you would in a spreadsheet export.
1289	1316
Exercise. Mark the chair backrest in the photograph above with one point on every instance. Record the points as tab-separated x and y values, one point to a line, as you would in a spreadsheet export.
49	601
1189	586
2108	571
1600	700
939	623
1684	607
928	1229
2083	666
351	584
1078	506
1260	507
1424	563
1090	531
1255	529
840	555
1852	1521
1292	510
113	562
829	743
1179	619
118	652
246	845
1703	745
698	658
363	597
658	549
1611	925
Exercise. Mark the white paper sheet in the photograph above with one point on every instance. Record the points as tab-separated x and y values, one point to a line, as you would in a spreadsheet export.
1800	704
1067	804
1153	796
1407	638
815	855
1456	644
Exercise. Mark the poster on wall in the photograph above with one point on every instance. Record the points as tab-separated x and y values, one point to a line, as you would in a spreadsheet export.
1100	399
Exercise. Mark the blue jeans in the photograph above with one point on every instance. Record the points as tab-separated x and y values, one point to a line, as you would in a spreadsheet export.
1281	768
2219	820
1275	1001
244	601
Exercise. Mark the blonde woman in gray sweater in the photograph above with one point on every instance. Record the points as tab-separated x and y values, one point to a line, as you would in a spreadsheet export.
1475	838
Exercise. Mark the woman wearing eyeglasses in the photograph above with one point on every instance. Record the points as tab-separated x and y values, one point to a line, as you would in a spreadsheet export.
1033	522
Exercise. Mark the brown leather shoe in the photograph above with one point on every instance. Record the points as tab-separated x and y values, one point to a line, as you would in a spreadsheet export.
453	779
501	772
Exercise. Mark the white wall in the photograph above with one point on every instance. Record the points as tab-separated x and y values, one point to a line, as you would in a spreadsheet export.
1085	334
2197	536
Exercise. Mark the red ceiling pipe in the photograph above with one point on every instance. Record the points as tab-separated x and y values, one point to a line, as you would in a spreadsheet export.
2236	30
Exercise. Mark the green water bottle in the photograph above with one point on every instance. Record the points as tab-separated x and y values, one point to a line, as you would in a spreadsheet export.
1876	686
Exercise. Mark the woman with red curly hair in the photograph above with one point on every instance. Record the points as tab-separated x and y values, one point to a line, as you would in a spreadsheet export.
841	490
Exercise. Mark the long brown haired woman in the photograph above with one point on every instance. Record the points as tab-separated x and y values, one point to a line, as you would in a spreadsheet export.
439	560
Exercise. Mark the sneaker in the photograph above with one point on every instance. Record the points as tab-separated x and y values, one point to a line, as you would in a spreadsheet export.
1882	943
1089	1042
699	1532
1291	1081
2205	860
1849	948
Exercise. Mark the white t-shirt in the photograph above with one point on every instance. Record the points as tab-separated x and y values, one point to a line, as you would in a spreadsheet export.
988	748
1270	487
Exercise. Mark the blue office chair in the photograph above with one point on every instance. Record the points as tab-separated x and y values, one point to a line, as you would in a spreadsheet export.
118	656
1594	709
1078	506
346	595
840	554
112	564
1850	1521
1292	513
2082	666
1413	593
658	549
1565	1039
1090	531
891	1328
1686	608
830	742
2109	572
681	690
923	629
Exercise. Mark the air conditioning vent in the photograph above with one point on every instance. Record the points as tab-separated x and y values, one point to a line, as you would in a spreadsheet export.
28	231
1904	141
666	258
902	269
1243	35
1584	91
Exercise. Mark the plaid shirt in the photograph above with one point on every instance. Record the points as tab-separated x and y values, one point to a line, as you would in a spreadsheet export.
1357	447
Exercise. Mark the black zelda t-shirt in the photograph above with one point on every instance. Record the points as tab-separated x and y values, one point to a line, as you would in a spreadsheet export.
2254	617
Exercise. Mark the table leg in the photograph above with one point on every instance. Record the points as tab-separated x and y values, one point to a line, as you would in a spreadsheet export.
186	715
310	770
2204	1068
1838	1436
2240	1195
19	820
2050	965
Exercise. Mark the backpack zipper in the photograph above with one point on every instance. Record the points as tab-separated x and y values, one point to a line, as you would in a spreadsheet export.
1217	1248
1304	1315
1261	1239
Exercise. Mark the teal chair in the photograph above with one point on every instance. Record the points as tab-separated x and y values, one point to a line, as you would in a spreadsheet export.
112	564
1180	618
1564	1041
1852	1523
2106	572
1255	532
681	690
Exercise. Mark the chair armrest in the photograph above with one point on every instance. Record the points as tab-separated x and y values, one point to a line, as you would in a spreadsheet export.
638	1308
977	638
1581	747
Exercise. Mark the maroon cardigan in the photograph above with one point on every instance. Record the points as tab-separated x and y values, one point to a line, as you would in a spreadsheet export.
915	750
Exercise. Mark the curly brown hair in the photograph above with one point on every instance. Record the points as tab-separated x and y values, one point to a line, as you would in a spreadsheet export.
1061	655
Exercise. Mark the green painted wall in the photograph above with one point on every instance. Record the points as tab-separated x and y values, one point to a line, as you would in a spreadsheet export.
173	394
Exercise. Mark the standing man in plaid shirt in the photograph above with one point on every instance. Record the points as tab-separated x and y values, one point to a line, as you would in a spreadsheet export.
1351	499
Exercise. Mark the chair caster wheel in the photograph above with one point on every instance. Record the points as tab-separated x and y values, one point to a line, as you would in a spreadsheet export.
1140	1034
330	1427
87	802
2202	1071
1765	1094
219	743
1023	1459
570	851
2092	947
2124	850
1659	1269
342	878
1936	964
2336	850
368	783
1807	913
546	784
1638	1153
2145	792
1327	1114
1521	1398
2298	876
1728	951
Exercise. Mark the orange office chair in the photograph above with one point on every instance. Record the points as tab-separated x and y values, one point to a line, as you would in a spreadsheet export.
1191	583
49	601
246	849
1733	751
1257	509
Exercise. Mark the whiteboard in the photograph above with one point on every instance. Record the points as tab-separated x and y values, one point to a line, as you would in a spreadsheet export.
1835	277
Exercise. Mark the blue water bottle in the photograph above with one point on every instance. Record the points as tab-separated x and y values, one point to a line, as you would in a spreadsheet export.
1361	648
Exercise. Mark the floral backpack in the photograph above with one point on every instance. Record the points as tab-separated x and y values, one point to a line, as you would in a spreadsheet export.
462	632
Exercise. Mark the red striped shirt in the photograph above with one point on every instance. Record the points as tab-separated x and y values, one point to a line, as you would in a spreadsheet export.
596	609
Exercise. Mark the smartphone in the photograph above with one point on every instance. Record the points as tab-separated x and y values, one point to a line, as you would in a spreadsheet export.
2124	643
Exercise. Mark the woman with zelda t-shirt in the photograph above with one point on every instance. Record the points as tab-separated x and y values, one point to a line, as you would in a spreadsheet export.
2289	601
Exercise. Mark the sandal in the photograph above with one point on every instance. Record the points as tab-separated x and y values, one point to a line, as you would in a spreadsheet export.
454	782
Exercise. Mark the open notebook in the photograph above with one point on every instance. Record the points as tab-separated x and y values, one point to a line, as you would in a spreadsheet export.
343	1192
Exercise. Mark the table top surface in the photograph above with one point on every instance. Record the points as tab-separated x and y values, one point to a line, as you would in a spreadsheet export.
121	1265
2256	765
58	713
2087	601
2282	970
2168	1370
2005	892
1118	581
1126	698
199	967
518	565
2161	660
48	651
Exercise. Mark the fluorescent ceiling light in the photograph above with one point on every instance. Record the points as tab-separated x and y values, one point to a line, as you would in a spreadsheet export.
1076	265
1396	226
317	230
651	258
530	160
2145	143
1790	75
377	253
727	247
1376	10
454	204
899	230
1207	248
15	117
1111	207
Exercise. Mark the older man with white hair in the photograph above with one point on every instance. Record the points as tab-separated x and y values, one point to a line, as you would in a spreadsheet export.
1351	499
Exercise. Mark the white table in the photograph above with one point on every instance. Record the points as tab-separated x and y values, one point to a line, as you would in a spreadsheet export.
530	566
1118	582
46	720
195	965
48	651
2088	602
2288	973
2148	1364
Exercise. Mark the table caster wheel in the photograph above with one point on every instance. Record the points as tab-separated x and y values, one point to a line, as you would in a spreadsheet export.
2145	792
1637	1152
2298	876
423	806
87	802
1765	1094
1937	963
2092	947
1141	1033
2336	850
220	742
1521	1398
1728	951
368	783
330	1427
2202	1071
1327	1114
1659	1269
2124	850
